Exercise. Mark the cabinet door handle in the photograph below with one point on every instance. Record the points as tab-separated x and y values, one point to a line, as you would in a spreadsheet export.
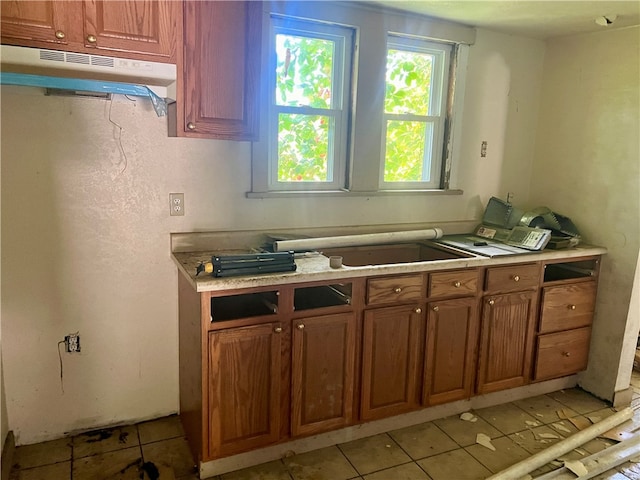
278	330
572	307
191	126
566	354
457	284
60	34
418	310
397	290
92	39
516	278
491	302
300	326
436	308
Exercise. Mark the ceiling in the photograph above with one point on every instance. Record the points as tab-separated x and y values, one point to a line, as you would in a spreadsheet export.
540	19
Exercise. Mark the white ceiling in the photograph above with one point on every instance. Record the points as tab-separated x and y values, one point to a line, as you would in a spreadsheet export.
530	18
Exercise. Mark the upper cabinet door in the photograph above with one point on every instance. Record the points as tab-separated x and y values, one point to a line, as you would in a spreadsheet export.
30	23
220	70
145	27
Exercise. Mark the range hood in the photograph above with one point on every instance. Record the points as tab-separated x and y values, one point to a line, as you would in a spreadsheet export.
38	67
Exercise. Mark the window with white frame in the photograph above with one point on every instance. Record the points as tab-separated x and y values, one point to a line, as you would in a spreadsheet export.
352	109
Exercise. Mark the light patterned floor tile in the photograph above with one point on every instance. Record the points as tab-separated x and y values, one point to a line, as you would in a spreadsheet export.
464	432
374	453
408	471
579	400
423	440
106	440
44	453
267	471
172	453
536	439
508	418
161	429
456	464
324	464
506	454
57	471
543	408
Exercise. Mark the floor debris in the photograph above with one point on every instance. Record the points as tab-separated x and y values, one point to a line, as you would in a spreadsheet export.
580	422
485	441
560	427
577	467
533	423
468	417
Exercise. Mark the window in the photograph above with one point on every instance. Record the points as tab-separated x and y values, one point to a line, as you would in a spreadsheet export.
414	101
357	101
310	87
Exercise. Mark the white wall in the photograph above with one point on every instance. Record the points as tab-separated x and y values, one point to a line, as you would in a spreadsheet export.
587	166
85	241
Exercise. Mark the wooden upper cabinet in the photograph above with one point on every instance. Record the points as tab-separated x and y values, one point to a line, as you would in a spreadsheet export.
146	27
137	29
219	70
26	23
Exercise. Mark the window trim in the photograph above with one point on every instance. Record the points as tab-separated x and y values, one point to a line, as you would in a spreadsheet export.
365	123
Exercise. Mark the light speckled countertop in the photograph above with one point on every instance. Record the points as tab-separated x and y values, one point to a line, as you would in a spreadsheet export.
316	267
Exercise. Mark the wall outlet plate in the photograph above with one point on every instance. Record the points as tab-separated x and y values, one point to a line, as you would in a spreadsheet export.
72	343
176	204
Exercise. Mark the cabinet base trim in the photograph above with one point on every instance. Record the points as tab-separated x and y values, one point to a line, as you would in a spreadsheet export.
301	445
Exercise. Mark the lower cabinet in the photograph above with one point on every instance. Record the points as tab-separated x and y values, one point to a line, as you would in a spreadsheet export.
562	353
452	336
322	373
244	388
506	342
391	361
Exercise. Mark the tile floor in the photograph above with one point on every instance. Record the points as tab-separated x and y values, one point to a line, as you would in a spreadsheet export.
443	449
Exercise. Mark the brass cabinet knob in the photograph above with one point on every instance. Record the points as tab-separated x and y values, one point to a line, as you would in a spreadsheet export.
60	34
566	354
278	330
572	307
300	326
418	310
457	284
491	302
516	278
92	39
397	289
436	308
191	126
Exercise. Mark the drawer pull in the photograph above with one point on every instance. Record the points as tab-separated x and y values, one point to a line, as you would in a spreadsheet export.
516	278
191	126
300	326
92	39
397	290
566	354
457	284
60	34
572	307
491	302
436	308
278	330
419	310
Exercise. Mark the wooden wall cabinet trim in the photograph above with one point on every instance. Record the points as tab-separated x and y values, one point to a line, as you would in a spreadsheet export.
133	29
219	71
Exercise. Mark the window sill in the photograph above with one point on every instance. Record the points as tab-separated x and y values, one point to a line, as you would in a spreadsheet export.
349	193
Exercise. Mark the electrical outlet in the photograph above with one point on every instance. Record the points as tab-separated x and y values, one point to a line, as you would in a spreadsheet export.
176	203
72	342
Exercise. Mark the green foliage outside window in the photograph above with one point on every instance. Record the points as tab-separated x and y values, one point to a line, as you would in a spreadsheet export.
304	79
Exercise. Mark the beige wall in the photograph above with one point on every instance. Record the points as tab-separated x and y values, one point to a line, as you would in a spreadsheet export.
587	166
85	234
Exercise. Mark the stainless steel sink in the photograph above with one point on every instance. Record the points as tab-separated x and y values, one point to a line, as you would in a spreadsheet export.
392	253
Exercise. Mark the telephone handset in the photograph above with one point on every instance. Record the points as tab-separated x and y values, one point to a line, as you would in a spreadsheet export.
528	238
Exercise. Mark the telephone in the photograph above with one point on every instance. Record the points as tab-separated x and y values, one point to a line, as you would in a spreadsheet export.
523	237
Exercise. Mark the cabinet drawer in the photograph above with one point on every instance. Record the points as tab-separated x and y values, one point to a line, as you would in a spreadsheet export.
458	283
512	278
404	288
567	306
562	353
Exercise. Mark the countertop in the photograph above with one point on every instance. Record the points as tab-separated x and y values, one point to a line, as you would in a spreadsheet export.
315	267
